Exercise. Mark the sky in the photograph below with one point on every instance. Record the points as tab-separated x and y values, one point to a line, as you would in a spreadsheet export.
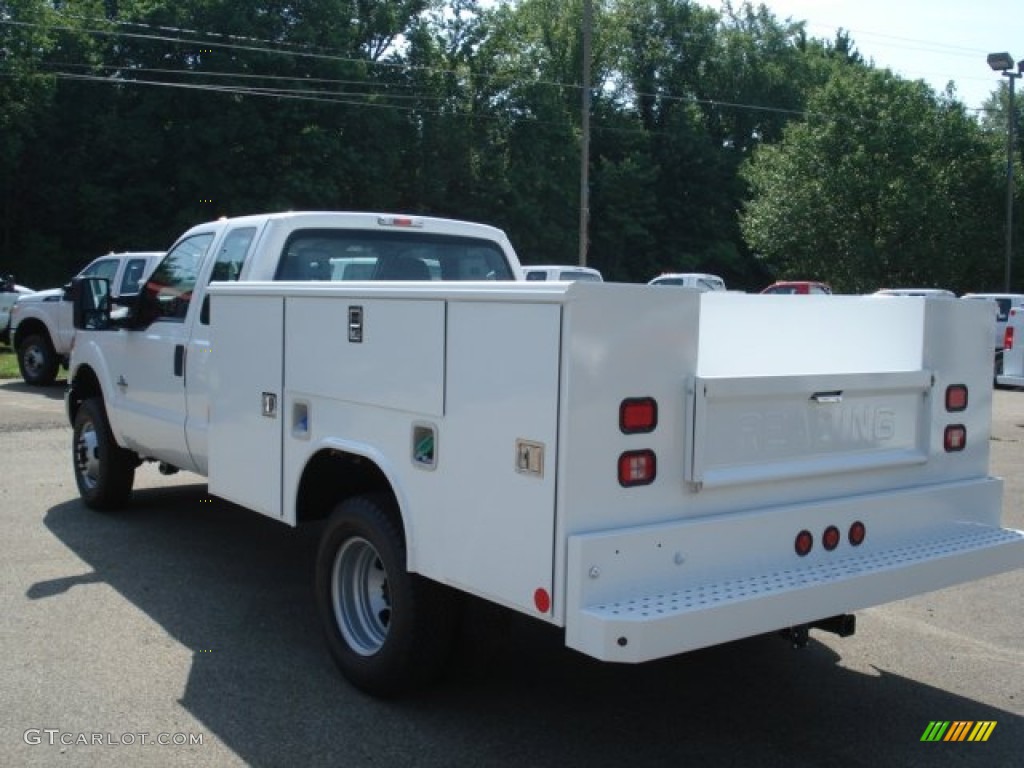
931	40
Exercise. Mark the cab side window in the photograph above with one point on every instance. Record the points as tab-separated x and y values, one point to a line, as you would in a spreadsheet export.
228	265
106	268
232	253
168	291
132	277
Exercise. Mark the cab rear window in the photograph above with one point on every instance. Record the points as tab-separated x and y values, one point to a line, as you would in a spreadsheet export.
343	255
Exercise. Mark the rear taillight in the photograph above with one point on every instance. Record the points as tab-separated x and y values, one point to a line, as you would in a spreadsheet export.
638	415
830	539
637	468
1008	337
956	398
954	438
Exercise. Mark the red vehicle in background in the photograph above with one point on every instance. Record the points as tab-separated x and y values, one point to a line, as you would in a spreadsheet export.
803	287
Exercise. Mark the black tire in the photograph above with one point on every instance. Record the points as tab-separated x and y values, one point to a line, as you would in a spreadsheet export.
388	630
104	471
37	360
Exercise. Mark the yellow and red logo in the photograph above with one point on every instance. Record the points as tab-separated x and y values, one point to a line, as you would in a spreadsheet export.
958	730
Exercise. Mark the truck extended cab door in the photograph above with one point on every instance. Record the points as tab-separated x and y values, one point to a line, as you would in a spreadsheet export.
231	253
147	365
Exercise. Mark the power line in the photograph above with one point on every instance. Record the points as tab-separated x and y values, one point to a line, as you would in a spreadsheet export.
307	94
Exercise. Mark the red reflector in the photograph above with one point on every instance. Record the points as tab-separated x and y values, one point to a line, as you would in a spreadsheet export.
956	398
542	600
830	539
804	542
955	438
638	414
857	533
1008	338
637	468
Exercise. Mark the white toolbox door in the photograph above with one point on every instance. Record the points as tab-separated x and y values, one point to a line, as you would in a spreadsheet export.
246	417
498	448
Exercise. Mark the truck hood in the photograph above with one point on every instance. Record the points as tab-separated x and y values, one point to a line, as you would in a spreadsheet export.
50	294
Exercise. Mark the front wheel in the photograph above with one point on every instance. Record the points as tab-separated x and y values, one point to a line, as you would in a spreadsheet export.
388	630
37	360
104	471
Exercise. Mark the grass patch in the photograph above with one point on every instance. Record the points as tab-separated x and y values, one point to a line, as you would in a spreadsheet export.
8	363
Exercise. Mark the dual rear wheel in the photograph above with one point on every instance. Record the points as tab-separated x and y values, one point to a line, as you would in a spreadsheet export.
388	630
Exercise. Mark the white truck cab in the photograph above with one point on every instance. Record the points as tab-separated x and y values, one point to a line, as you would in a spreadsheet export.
542	272
699	280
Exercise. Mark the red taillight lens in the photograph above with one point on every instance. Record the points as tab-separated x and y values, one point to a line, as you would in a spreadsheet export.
804	542
637	468
857	533
398	221
1008	337
830	539
956	398
637	415
954	438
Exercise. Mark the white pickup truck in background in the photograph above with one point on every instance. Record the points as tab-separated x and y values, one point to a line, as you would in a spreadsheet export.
596	456
41	330
10	293
1011	373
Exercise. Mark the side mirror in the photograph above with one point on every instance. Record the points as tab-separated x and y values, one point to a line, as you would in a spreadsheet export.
90	297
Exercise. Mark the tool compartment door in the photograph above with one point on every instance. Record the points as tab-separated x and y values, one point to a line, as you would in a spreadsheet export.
498	450
246	382
767	429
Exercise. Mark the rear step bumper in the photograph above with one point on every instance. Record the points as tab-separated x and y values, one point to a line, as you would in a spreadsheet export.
634	620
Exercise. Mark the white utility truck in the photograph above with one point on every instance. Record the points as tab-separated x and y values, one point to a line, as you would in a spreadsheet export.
646	469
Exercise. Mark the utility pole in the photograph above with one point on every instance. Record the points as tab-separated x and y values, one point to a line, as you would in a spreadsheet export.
585	137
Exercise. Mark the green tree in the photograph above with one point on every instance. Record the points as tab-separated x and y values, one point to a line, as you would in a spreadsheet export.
883	184
26	90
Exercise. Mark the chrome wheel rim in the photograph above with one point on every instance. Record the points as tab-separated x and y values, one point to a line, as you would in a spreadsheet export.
34	360
360	596
87	458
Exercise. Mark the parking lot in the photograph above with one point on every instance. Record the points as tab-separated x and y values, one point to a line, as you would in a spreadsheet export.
183	632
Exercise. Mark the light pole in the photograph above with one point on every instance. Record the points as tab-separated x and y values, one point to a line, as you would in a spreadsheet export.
1003	62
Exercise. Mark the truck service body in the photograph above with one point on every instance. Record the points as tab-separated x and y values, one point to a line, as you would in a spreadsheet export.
644	468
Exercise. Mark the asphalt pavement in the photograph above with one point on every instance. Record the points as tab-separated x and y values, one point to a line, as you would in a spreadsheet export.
183	632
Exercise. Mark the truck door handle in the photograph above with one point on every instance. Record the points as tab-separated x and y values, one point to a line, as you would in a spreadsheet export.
179	360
